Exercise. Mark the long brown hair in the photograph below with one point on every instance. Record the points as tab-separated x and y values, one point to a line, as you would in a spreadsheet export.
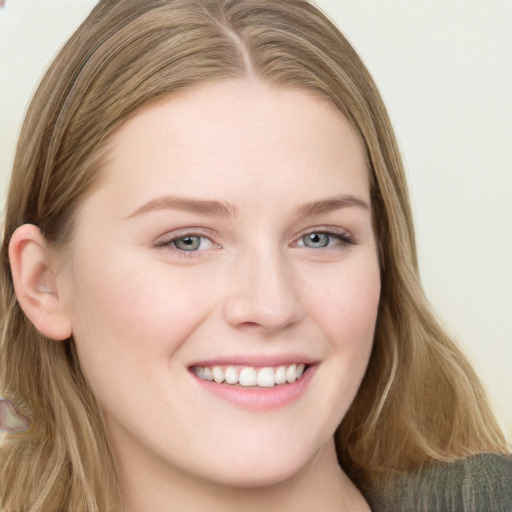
420	400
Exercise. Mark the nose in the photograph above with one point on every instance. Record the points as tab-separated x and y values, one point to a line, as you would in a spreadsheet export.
263	293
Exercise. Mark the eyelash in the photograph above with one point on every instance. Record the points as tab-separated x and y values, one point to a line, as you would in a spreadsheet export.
169	242
341	238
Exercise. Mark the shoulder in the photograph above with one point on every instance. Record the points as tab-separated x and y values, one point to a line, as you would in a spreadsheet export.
480	483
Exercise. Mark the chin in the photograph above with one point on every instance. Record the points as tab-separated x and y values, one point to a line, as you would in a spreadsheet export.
255	474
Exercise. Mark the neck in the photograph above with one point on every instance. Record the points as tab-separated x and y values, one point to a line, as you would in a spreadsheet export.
321	485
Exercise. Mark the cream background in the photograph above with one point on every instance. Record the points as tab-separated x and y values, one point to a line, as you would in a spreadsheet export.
444	71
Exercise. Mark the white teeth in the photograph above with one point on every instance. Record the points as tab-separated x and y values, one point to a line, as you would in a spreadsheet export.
280	375
291	373
204	373
265	377
248	376
231	375
218	374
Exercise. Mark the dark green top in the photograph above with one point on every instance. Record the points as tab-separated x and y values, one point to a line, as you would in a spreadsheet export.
481	483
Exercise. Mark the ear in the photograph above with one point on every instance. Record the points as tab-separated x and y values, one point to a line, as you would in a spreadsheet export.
34	273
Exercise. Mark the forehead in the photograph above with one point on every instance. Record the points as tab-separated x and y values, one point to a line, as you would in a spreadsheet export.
237	136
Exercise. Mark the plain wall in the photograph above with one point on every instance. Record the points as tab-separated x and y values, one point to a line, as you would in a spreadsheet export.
444	71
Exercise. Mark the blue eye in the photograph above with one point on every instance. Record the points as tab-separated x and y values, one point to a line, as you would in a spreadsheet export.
316	240
187	243
321	240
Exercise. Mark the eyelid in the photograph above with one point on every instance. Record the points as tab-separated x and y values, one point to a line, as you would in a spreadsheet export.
169	237
345	235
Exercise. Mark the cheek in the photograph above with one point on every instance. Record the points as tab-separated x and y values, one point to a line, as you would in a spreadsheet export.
346	306
129	295
130	317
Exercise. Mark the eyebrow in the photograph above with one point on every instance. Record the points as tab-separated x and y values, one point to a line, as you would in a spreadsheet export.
331	204
201	206
225	209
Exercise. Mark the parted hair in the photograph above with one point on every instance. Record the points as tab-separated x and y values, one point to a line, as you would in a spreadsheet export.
420	400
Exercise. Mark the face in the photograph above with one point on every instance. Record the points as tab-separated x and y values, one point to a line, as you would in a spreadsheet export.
223	282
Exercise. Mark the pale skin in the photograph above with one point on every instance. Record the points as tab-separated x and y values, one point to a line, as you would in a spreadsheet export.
232	225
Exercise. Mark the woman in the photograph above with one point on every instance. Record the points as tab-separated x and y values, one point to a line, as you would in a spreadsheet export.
180	333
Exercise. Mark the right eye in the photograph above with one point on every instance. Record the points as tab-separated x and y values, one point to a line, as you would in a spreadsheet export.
187	243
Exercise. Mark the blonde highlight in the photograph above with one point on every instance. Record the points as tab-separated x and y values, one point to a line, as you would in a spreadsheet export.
100	79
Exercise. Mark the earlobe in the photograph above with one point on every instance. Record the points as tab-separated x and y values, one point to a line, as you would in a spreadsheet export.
34	275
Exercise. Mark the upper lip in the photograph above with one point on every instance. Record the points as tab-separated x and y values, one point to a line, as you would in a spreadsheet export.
255	360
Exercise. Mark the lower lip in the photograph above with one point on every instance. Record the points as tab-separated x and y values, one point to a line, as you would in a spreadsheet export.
260	399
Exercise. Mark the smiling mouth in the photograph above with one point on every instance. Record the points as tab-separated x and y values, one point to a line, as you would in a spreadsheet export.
252	376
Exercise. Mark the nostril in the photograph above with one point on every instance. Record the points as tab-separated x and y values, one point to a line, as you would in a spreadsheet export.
251	325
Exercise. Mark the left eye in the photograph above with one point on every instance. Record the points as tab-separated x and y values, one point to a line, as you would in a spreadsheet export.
316	240
320	240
